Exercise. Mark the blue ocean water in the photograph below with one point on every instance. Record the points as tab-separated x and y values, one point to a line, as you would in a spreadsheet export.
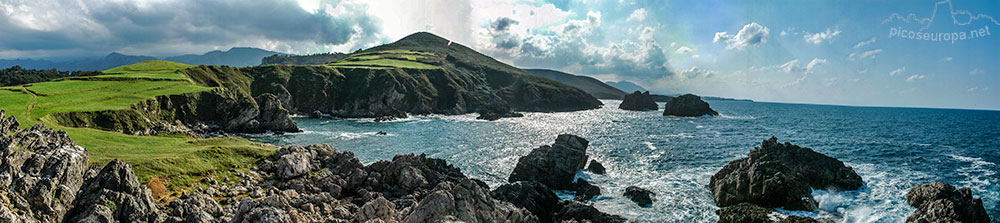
893	149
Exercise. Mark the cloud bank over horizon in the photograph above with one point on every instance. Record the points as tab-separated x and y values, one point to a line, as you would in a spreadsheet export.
765	51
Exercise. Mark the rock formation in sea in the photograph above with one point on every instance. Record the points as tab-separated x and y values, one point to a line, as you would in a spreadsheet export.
940	202
780	175
638	101
553	165
639	195
688	105
596	167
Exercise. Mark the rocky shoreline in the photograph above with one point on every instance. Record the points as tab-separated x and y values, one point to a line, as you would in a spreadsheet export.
45	177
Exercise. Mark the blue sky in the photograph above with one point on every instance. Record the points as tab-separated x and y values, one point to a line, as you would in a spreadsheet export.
825	52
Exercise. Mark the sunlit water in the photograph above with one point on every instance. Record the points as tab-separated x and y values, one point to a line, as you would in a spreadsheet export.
893	149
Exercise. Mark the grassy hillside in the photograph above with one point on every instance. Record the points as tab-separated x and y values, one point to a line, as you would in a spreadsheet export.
592	86
180	157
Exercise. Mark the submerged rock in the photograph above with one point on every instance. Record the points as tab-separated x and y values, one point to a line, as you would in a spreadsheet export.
490	116
595	167
585	191
688	105
555	165
940	202
780	175
639	195
638	101
316	114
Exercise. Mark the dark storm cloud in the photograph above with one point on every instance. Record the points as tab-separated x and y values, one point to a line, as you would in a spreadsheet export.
502	24
101	25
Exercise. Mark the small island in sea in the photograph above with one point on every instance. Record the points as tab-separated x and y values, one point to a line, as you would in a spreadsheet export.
498	111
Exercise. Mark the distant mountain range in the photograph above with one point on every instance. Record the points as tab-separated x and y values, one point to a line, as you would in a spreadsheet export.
592	86
237	56
626	86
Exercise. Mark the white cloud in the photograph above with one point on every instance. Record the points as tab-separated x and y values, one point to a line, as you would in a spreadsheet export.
897	71
639	15
683	50
863	71
864	55
817	38
696	72
647	33
750	35
947	58
864	43
978	89
975	71
794	66
916	77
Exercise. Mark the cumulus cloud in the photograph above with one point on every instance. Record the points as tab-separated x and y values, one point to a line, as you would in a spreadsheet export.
696	72
683	50
639	15
864	43
750	35
817	38
864	55
948	58
897	71
915	77
975	71
794	66
61	25
577	46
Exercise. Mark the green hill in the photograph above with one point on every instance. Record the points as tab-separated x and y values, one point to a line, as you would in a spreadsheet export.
592	86
94	110
419	74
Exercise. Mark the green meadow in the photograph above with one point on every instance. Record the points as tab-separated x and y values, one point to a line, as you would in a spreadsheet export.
388	59
180	158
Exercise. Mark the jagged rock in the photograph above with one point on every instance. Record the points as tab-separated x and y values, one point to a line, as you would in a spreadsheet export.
41	171
114	195
780	175
293	161
530	195
940	202
192	208
273	116
316	114
570	210
688	105
638	101
585	191
639	195
465	201
595	167
555	165
379	209
385	118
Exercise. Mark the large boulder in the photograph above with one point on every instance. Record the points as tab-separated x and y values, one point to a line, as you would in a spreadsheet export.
555	165
940	202
41	171
780	175
638	101
114	195
465	201
688	105
596	167
752	213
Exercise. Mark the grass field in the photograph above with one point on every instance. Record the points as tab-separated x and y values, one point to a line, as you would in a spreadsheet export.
388	59
180	158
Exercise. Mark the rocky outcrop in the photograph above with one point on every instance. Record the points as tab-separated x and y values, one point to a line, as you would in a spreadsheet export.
490	116
940	202
752	213
780	175
585	191
530	195
272	116
596	167
555	165
688	105
639	195
579	212
638	101
41	171
114	195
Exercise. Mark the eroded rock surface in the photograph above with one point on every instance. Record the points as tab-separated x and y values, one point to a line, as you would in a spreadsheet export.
941	202
780	175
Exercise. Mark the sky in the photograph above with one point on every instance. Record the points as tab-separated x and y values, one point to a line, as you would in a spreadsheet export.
908	53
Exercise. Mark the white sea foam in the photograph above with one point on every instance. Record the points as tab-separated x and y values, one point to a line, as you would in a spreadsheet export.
649	145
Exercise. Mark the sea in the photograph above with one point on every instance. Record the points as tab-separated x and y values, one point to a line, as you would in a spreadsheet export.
893	149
